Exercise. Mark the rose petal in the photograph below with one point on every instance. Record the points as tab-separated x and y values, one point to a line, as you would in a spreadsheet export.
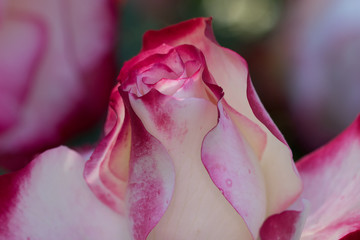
287	225
49	199
151	180
130	171
107	171
235	170
230	72
331	177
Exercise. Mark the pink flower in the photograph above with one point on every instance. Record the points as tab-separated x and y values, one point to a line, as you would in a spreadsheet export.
189	153
55	57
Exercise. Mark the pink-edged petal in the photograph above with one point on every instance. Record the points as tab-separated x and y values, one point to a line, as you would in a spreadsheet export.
230	72
260	112
107	171
235	170
130	171
151	179
287	225
137	61
49	199
331	177
14	55
180	125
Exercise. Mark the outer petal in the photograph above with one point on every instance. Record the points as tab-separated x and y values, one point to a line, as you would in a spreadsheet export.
130	171
235	170
76	65
231	73
49	199
331	177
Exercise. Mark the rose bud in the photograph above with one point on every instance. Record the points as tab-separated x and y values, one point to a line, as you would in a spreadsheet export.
189	147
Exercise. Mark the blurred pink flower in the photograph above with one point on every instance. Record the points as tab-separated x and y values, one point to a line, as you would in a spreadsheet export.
56	71
324	82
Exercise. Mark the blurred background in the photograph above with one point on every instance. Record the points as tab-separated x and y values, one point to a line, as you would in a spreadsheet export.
303	57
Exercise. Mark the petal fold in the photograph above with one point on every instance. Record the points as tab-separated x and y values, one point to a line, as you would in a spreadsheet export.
107	171
235	170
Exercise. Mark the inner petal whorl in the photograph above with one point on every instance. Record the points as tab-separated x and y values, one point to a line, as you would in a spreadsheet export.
166	73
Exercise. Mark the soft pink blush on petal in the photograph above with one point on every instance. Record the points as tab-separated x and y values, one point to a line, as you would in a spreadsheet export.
130	171
151	178
15	55
49	199
331	177
235	170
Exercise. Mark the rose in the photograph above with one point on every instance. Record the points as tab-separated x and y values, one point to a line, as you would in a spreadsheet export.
181	159
323	39
172	101
54	57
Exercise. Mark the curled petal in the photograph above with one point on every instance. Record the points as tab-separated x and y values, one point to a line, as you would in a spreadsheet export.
49	199
331	177
108	168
